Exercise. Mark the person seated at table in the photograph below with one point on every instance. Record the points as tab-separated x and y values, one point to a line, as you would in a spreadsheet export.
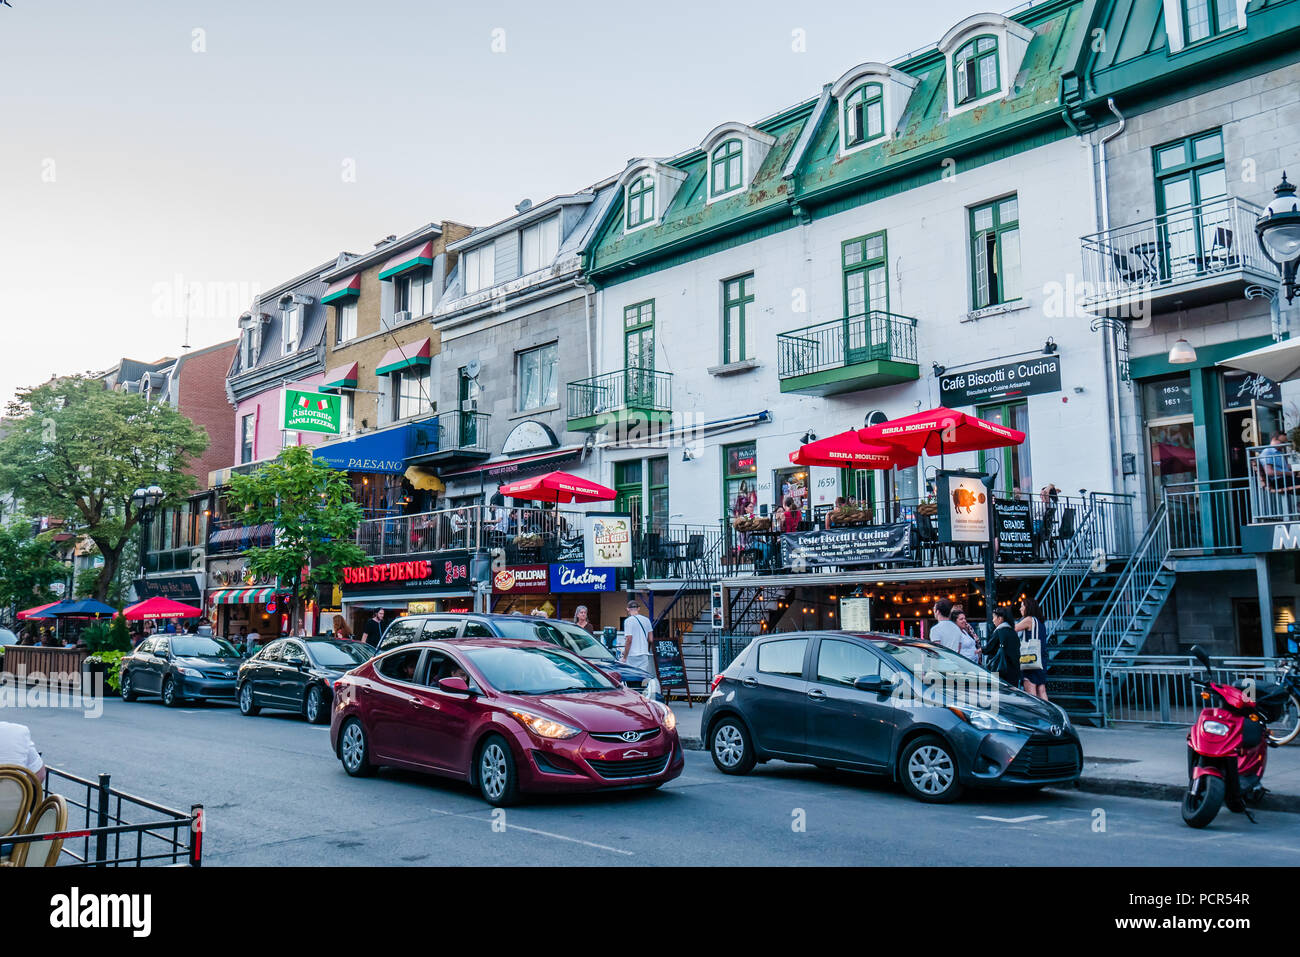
1275	463
830	516
778	518
793	517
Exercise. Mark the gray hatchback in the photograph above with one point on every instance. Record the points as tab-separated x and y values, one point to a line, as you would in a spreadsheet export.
911	710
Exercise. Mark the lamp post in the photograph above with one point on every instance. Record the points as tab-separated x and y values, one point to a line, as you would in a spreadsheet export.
146	501
1278	232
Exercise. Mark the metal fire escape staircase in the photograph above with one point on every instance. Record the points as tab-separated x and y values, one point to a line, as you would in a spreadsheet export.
1095	612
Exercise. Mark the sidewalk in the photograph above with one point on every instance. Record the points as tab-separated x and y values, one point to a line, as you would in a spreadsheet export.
1135	762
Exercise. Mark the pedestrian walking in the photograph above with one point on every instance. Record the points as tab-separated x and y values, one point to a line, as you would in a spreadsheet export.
945	632
341	630
970	644
1033	649
637	631
582	621
374	628
1002	650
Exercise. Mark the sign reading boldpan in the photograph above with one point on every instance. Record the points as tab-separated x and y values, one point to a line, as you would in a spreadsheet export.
312	412
608	540
848	546
1015	530
963	507
517	579
1009	380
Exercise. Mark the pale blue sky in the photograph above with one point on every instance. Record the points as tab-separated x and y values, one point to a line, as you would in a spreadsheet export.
128	160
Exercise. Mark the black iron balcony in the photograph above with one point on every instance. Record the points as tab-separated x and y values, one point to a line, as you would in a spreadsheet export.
456	436
626	398
848	355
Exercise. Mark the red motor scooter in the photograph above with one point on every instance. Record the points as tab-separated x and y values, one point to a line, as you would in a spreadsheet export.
1227	748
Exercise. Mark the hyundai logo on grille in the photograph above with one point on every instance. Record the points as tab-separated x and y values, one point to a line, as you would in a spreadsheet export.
631	735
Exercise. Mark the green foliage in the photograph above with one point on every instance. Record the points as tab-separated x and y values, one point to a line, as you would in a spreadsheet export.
112	671
28	565
77	451
96	636
314	515
119	636
87	579
108	636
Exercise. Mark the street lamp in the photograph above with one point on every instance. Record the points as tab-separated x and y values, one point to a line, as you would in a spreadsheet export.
146	501
1278	232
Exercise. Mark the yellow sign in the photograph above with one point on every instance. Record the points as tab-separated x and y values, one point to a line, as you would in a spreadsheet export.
420	607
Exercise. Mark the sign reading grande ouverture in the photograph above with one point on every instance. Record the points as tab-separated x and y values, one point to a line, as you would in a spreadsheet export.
848	546
1015	529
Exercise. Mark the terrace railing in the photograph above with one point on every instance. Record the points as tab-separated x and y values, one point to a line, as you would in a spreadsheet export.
1206	517
844	342
1155	689
1274	482
632	388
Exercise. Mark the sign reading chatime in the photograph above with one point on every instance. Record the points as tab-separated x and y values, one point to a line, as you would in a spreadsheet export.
312	412
1006	381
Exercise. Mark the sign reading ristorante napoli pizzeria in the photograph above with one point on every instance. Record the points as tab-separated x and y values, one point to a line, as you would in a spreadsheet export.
444	571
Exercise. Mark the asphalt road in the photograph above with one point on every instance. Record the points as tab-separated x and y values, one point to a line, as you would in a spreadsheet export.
276	795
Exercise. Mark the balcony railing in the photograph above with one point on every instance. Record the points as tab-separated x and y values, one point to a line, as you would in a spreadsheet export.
627	390
1206	517
225	537
857	352
1202	242
1274	483
525	536
458	434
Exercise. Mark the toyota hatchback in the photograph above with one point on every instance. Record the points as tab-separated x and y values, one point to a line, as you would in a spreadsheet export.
507	716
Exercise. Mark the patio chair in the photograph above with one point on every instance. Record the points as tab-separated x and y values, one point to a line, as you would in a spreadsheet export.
694	553
1065	530
1220	254
50	816
928	533
1043	532
20	791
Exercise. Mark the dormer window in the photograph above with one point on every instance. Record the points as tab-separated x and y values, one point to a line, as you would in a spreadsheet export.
726	168
864	114
975	70
640	201
290	327
1203	19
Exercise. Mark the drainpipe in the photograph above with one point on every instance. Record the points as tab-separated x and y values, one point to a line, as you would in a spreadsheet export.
1110	341
587	290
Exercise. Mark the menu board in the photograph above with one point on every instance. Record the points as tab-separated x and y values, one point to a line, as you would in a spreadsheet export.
855	614
669	665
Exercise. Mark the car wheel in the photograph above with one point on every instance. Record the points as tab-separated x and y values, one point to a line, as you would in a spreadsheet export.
313	708
731	748
170	696
246	706
495	773
126	690
354	750
928	771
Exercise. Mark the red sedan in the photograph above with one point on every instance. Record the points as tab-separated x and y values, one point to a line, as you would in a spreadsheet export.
506	716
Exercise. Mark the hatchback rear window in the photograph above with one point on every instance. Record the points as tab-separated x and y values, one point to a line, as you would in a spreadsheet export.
784	657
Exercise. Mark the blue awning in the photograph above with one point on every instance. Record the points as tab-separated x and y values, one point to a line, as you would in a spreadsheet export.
376	452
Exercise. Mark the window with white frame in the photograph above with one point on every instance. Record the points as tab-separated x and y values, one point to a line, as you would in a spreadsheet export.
1208	18
413	292
290	327
480	268
247	436
537	375
347	412
411	393
640	201
538	245
864	114
345	321
975	68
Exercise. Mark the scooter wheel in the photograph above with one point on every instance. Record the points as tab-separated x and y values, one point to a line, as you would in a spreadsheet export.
1200	808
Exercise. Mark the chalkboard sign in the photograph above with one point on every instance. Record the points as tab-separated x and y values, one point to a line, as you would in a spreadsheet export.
669	665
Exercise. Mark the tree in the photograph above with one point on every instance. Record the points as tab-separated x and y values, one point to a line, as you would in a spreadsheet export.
77	451
315	521
29	564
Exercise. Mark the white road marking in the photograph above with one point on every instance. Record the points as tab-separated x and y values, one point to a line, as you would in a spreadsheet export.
533	830
1013	820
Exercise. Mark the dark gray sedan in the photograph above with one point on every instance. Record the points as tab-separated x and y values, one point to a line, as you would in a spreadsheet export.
911	710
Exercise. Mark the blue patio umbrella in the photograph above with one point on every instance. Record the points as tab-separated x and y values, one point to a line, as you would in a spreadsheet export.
86	608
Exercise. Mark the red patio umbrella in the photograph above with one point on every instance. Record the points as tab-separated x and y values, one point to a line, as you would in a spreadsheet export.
941	430
160	607
34	612
558	487
847	450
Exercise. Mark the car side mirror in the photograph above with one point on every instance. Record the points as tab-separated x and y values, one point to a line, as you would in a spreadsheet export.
298	662
455	685
873	683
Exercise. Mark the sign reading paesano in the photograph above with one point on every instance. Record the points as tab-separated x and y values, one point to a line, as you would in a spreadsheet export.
312	412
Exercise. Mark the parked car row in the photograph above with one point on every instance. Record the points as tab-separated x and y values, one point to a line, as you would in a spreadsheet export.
513	705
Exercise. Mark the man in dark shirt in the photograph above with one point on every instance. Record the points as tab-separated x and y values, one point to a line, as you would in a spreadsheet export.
1002	649
374	628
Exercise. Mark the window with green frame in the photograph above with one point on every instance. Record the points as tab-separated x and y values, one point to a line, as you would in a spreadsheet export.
864	114
866	275
995	252
640	201
726	168
737	296
639	354
1203	19
739	479
975	69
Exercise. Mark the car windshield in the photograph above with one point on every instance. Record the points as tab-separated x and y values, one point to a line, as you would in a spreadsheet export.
557	633
339	654
921	660
536	671
196	646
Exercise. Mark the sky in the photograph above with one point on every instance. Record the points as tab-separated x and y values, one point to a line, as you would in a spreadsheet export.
160	160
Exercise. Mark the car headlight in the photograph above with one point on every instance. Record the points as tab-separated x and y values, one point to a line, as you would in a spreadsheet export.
544	727
985	720
1214	727
1065	717
665	715
190	673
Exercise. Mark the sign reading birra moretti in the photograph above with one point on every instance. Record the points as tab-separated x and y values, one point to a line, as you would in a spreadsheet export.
312	412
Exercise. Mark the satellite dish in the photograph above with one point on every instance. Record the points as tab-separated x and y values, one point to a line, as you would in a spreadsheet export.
472	368
875	417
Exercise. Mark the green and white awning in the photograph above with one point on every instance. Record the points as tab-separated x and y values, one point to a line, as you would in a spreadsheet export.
410	259
344	377
343	289
415	354
241	596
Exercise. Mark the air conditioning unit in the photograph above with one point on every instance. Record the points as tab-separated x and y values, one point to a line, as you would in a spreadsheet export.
403	316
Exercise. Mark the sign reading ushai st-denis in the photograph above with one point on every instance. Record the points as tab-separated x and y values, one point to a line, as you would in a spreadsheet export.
312	412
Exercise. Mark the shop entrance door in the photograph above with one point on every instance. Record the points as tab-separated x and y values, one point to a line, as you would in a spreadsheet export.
1013	461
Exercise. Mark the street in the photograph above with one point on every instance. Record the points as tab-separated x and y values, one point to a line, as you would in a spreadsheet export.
275	795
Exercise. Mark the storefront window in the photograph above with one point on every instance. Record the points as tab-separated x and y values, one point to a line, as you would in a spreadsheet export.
740	471
790	483
1171	435
1252	413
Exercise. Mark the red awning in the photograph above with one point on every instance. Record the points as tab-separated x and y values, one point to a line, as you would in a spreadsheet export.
160	607
558	487
408	259
404	357
847	451
940	431
343	288
344	377
33	612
